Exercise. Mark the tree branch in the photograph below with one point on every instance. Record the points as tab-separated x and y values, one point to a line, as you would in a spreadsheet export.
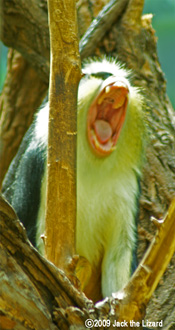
136	46
134	12
52	292
30	286
19	32
100	25
144	281
23	92
24	34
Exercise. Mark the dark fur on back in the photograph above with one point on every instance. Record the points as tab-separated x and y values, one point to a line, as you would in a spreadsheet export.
26	167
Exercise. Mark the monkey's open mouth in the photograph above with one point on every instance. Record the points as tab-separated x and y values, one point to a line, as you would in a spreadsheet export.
106	116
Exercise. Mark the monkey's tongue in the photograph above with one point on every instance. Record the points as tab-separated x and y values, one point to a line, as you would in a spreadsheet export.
103	130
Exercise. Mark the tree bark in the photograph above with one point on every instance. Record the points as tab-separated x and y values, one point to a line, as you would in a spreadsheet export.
61	185
23	92
27	76
31	288
25	28
34	294
133	41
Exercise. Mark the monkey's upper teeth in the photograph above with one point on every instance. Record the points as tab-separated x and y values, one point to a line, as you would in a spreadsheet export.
101	98
107	89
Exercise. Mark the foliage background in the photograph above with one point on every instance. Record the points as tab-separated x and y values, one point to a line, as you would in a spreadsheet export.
164	25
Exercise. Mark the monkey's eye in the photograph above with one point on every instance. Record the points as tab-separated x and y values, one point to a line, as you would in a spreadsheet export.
102	75
106	116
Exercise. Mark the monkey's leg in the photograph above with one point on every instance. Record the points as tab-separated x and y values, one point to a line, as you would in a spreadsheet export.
116	267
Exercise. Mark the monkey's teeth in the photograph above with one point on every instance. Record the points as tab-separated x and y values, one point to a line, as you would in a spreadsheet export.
107	89
106	147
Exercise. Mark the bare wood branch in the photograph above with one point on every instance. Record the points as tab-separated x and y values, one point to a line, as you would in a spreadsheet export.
30	286
21	11
54	291
147	276
22	33
61	188
87	11
137	48
100	25
134	12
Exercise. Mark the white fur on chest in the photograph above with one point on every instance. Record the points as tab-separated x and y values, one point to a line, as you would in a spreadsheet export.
103	210
106	212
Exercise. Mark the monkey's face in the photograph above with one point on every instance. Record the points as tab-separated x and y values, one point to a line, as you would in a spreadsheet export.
106	115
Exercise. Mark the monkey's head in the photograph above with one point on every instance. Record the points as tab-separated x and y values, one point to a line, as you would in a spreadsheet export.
106	115
106	102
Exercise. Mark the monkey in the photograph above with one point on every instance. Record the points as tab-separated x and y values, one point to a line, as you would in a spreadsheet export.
111	138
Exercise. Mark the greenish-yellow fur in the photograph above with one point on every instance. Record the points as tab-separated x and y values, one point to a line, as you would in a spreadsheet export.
107	189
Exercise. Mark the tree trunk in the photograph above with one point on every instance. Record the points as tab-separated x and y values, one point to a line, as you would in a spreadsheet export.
61	179
23	92
133	41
